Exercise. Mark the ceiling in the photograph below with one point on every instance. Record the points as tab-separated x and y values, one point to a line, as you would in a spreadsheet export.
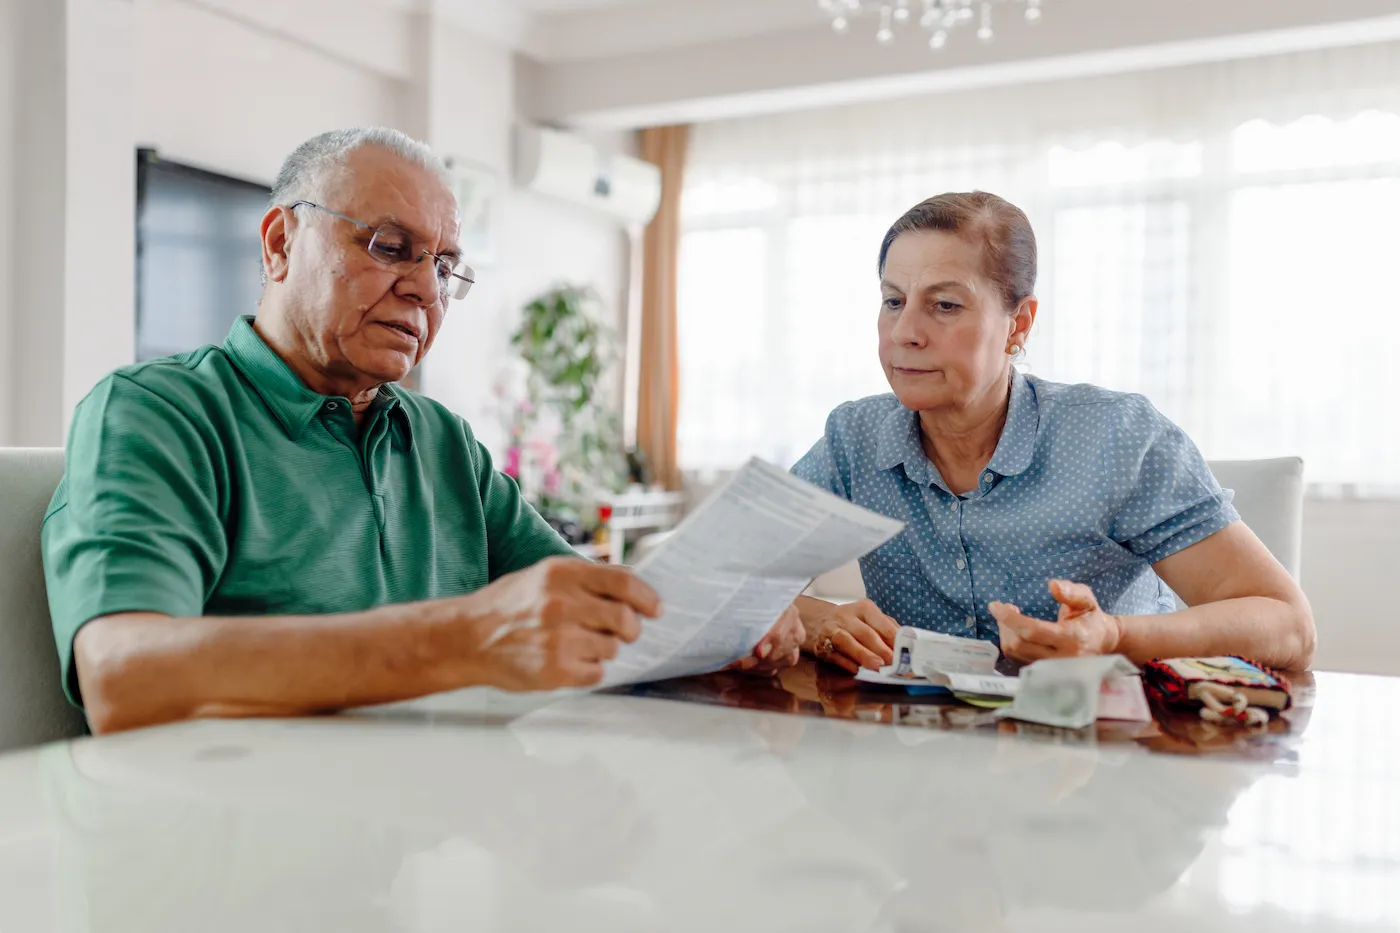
615	64
657	61
608	29
566	6
582	30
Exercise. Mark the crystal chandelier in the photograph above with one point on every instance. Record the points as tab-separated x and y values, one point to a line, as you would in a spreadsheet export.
938	17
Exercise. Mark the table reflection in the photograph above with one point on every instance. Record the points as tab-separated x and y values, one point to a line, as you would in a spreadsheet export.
815	689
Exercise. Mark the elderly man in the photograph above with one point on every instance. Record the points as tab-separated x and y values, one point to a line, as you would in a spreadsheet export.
271	527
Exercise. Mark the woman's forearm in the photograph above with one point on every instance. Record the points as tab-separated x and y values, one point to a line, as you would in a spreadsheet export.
812	611
1274	632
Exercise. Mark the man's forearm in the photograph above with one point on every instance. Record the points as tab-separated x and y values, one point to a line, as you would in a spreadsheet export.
140	669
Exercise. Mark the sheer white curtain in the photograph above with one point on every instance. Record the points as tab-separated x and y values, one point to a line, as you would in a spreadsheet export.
1221	238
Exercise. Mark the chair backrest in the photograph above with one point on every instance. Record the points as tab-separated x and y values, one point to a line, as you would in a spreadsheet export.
641	510
1268	496
33	708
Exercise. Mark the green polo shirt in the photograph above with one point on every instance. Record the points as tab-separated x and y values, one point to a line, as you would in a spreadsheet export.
217	483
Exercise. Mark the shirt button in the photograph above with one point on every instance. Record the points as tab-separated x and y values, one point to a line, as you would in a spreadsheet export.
971	620
955	506
332	406
961	564
986	477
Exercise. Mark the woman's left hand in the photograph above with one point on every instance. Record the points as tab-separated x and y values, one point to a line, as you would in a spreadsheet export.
1083	628
780	648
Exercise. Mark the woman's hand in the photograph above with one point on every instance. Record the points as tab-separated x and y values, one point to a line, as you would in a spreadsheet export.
852	636
1083	629
781	648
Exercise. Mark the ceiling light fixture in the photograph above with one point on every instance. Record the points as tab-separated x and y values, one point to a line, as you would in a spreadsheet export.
938	17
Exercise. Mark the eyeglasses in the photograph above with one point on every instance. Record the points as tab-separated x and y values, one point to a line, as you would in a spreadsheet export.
392	245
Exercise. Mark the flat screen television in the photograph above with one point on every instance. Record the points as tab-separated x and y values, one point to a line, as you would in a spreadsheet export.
198	254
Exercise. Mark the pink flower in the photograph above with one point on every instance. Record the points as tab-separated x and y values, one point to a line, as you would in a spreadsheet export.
512	467
551	482
544	453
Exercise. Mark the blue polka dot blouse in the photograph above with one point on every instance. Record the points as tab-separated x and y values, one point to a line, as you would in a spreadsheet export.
1085	485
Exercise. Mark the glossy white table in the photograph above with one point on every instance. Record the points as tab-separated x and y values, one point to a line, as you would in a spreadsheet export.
482	812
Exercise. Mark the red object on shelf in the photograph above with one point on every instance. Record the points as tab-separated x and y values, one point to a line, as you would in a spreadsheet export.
604	512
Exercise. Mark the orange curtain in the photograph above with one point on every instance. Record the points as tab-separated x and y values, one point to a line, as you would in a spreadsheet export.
658	378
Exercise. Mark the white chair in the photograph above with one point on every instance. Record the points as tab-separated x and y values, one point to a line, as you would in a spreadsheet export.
33	708
1268	495
656	511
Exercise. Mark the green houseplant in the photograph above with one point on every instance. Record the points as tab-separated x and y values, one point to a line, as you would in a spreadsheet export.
565	446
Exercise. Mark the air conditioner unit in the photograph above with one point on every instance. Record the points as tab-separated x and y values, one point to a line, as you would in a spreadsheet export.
566	166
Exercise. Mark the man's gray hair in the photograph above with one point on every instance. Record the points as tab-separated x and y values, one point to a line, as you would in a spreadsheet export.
305	169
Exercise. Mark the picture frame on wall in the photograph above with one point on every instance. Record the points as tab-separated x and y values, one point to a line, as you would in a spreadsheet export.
477	188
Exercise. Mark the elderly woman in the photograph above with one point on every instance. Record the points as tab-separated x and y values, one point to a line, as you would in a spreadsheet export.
1054	519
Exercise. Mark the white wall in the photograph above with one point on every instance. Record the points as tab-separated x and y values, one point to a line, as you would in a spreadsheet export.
99	227
539	242
230	96
9	82
1351	555
68	297
40	170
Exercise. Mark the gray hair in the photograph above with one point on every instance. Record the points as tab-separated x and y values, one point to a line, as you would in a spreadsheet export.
305	169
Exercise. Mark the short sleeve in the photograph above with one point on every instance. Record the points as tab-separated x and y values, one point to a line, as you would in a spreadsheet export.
516	536
135	523
823	465
1173	501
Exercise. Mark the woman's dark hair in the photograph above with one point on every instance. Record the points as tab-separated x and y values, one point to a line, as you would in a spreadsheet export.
1000	227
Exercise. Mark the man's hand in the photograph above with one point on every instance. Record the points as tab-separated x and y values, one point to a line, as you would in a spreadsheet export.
853	636
780	648
549	626
1083	629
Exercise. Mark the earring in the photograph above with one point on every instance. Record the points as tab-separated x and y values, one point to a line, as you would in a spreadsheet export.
1013	349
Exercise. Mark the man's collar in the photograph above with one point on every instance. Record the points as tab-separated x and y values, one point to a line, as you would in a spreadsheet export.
291	402
391	397
282	390
898	439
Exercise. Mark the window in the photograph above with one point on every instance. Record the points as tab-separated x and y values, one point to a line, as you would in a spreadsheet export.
1118	312
1315	142
724	383
1113	163
1233	269
1307	335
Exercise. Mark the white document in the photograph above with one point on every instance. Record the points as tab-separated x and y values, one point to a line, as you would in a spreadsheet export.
887	676
934	654
987	685
1123	698
932	659
735	563
991	685
1065	692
